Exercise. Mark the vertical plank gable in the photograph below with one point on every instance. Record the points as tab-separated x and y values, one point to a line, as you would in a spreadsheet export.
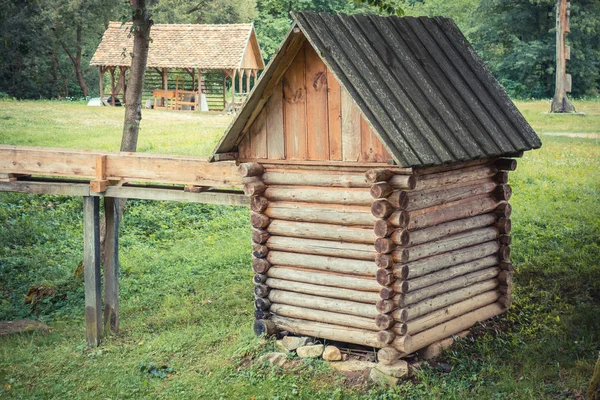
258	136
275	137
316	105
351	137
334	113
294	95
372	148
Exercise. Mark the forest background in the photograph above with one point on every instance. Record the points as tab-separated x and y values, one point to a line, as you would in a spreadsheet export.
46	45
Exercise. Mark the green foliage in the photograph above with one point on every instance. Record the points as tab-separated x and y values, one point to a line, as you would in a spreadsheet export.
515	38
274	19
204	11
186	289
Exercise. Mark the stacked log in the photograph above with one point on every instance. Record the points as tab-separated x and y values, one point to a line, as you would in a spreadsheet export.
313	252
387	257
443	253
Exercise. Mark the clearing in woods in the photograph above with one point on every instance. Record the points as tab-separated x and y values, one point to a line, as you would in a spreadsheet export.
186	288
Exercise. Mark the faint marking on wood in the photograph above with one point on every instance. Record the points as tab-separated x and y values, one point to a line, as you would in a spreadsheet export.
351	137
275	136
316	105
334	113
294	93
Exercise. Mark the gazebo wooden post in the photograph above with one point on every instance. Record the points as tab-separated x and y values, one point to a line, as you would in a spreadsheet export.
233	86
248	73
123	71
102	70
241	82
199	97
166	88
224	89
192	72
112	86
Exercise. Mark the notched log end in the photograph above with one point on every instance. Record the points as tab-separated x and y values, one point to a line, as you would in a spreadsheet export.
386	293
384	321
388	355
385	337
384	245
264	327
250	169
261	290
384	261
381	190
381	208
260	265
385	306
383	228
378	175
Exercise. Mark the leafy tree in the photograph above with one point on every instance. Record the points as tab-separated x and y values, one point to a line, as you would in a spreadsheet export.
274	16
516	39
204	11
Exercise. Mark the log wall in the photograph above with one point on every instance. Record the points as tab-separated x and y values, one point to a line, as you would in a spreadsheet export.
384	257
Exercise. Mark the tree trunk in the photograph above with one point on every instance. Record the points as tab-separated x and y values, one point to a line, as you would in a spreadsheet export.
133	102
76	59
593	392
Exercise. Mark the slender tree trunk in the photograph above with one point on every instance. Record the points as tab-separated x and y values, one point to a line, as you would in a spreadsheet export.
593	392
133	102
76	59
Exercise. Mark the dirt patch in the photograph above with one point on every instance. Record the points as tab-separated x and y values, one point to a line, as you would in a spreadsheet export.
22	326
355	379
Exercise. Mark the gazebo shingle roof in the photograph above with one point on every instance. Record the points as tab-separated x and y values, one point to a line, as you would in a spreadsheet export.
178	46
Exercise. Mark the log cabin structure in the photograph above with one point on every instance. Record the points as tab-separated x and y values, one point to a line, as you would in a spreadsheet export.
204	58
376	152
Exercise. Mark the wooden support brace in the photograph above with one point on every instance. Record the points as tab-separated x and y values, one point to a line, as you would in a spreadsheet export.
91	270
99	185
12	177
111	266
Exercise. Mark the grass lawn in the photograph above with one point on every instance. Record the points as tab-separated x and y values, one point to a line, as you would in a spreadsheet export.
186	290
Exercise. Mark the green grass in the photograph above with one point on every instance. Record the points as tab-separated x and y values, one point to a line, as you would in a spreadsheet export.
186	291
536	113
74	125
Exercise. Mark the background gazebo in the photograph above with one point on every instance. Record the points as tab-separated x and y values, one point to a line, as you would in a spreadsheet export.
184	61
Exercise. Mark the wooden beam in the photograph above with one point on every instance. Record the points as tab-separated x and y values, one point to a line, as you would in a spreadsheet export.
143	192
229	198
129	167
111	266
91	268
57	188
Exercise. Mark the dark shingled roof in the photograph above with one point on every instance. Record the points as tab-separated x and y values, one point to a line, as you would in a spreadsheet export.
420	85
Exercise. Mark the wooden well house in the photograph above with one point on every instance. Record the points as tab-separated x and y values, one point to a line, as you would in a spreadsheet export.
201	60
376	152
